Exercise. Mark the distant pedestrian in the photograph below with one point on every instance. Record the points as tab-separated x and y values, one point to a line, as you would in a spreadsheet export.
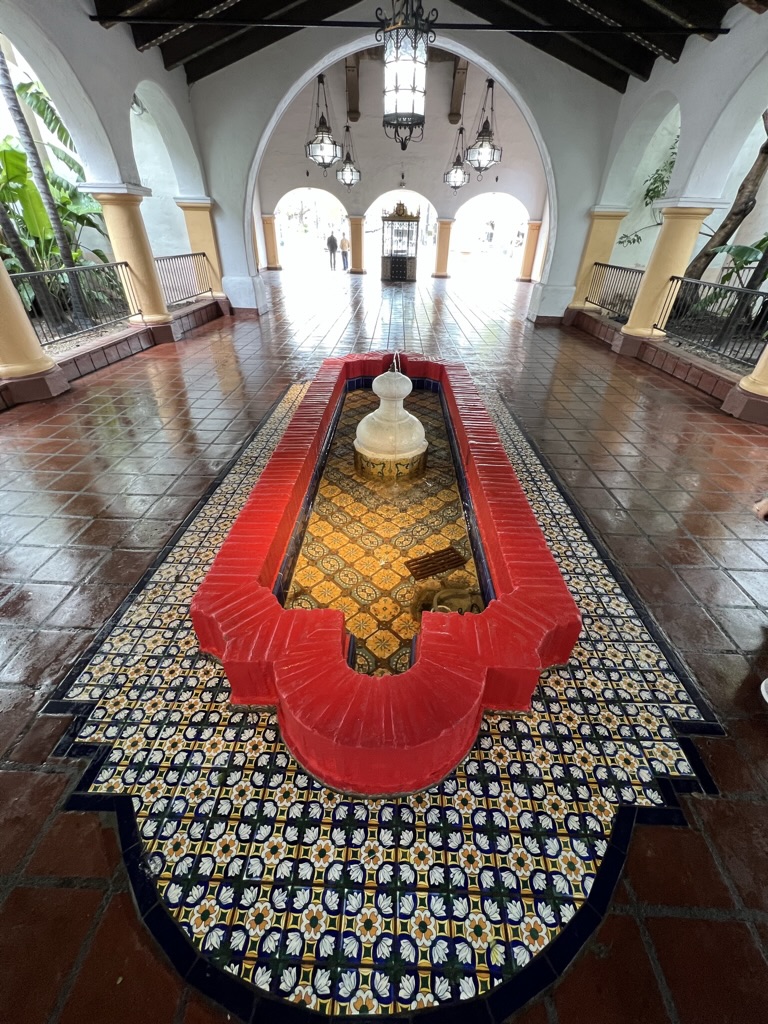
332	245
344	246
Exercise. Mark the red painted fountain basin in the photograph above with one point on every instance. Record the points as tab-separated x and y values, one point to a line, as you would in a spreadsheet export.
390	734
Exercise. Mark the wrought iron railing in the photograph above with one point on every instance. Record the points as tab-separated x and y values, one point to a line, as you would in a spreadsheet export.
67	303
184	278
614	289
726	324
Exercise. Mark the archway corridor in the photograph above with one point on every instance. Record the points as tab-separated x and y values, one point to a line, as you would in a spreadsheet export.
114	495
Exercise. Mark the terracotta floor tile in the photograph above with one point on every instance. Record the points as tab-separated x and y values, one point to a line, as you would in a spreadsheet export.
713	969
747	627
690	627
40	739
682	551
730	766
17	706
597	987
41	931
123	971
661	585
673	867
76	846
88	605
733	554
727	680
43	662
714	587
739	830
755	584
26	800
200	1011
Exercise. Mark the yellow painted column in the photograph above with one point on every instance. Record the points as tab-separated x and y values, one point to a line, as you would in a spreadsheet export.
130	243
202	237
529	249
442	247
270	240
24	366
356	244
601	238
671	253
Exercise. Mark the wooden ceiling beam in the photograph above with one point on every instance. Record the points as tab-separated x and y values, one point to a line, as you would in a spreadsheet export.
650	26
457	89
147	36
352	75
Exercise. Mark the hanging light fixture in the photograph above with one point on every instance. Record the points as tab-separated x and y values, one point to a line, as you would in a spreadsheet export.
405	35
321	146
349	173
484	152
456	174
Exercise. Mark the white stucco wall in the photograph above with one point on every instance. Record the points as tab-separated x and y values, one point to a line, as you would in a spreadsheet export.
166	227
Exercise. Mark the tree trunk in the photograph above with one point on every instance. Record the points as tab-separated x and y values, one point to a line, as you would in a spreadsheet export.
48	305
743	205
8	93
759	273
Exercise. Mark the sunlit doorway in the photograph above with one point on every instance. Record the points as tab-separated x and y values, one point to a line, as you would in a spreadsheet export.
304	219
414	203
487	237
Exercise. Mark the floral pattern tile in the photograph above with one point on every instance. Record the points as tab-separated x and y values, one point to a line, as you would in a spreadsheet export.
355	906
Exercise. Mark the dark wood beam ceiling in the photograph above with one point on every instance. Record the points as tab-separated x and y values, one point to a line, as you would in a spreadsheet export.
609	40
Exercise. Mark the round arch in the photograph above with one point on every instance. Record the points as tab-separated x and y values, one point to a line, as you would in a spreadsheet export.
448	43
175	138
636	140
70	98
304	219
414	202
488	235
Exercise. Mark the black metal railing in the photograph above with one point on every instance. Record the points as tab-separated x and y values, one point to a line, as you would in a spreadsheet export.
614	289
67	303
726	324
184	278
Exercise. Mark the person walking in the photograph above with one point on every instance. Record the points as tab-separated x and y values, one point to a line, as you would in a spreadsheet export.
332	245
344	246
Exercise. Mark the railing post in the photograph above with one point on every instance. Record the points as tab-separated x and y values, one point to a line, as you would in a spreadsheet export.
202	236
130	244
598	246
28	373
679	230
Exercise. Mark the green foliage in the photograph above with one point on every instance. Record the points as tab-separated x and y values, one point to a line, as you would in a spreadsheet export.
629	239
656	184
743	259
22	199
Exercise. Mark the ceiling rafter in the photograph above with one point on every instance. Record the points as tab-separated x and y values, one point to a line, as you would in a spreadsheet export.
609	40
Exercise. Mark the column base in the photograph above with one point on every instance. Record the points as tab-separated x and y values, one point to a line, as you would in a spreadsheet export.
35	387
357	271
744	405
626	345
441	276
526	280
273	266
163	334
644	332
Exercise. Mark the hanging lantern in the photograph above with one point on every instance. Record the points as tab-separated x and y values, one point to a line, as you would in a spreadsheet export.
348	174
321	146
457	175
484	152
406	36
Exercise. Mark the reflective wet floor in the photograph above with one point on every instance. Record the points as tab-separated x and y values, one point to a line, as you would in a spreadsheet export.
94	483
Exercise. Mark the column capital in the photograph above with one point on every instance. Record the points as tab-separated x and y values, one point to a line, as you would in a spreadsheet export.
355	216
193	202
690	203
534	223
114	188
608	212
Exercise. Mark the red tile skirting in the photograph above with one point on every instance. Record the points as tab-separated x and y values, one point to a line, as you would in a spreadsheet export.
404	732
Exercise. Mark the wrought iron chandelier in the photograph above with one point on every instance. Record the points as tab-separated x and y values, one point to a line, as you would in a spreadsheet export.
406	35
456	173
484	151
349	173
321	146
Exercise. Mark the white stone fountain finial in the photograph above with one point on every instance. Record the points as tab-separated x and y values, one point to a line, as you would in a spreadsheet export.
390	442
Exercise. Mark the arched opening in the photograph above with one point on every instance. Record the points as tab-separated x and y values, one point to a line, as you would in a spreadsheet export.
647	178
427	234
163	219
304	220
488	236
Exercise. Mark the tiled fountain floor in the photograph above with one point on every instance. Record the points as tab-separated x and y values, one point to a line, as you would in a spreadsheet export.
94	482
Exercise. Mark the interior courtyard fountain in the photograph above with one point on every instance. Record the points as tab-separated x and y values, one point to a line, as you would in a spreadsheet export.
380	603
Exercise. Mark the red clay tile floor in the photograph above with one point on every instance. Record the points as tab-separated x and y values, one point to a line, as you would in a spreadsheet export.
94	484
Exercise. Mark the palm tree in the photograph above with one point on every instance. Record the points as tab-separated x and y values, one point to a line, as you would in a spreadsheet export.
8	93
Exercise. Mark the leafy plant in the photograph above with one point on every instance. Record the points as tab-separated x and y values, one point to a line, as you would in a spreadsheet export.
744	258
656	184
